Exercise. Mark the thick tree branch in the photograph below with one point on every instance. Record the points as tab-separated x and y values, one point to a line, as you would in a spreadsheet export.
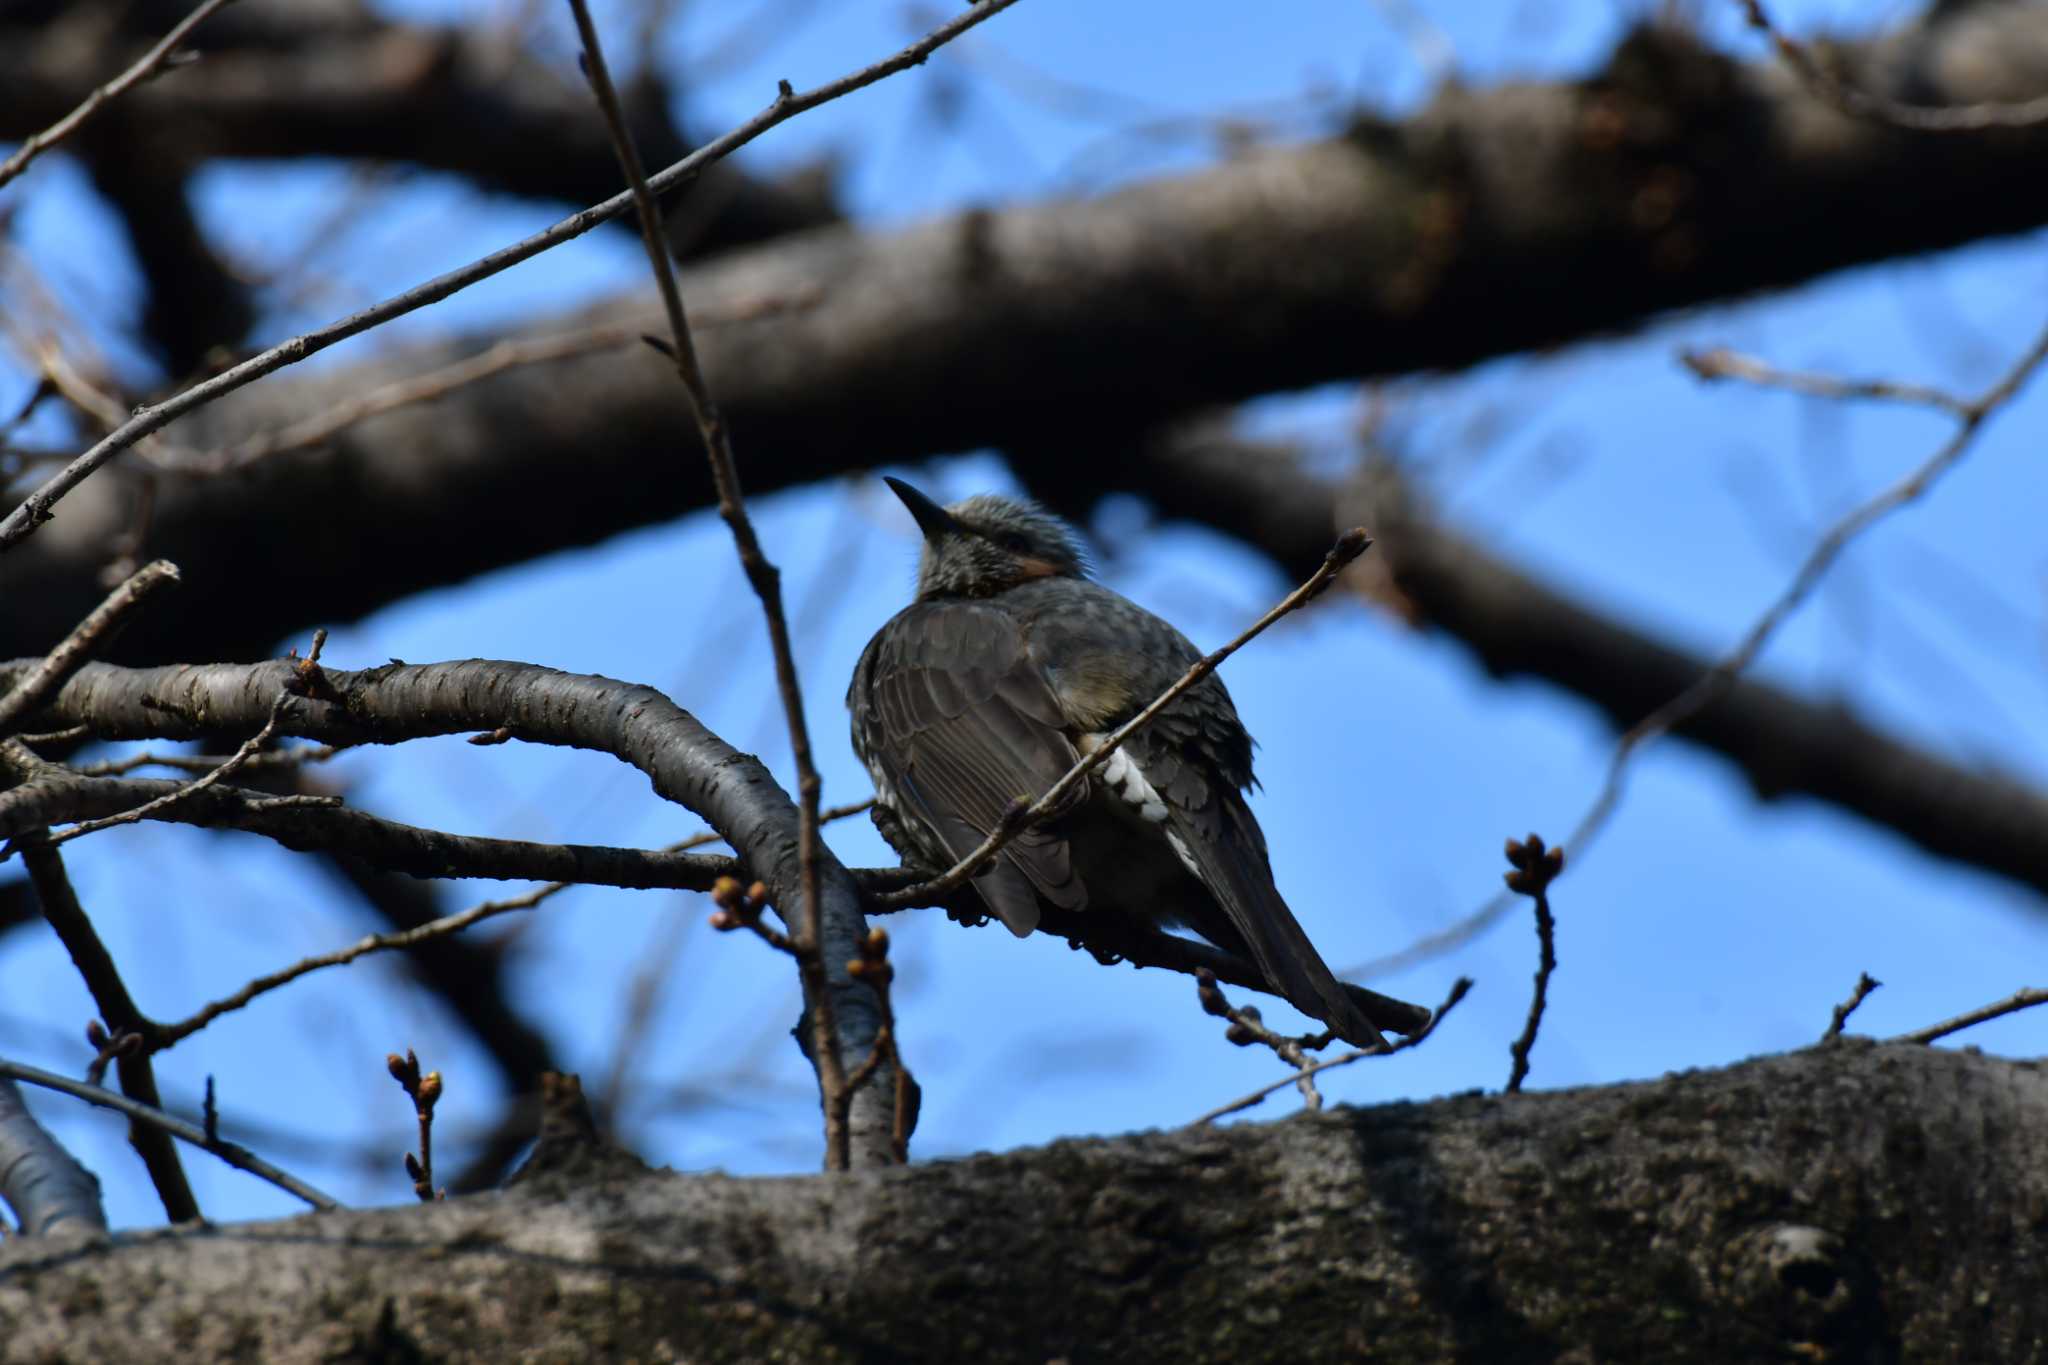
1809	1224
1493	221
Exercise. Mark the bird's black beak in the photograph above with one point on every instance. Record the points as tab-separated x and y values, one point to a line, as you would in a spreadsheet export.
932	519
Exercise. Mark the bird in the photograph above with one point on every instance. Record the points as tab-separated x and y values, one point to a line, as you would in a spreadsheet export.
1008	666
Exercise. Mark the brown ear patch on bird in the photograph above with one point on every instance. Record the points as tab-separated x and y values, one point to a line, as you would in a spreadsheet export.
1030	566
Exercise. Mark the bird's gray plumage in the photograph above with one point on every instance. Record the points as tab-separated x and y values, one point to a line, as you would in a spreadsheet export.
987	688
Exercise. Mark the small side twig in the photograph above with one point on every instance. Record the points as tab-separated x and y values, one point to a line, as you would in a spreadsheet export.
1718	362
1458	991
424	1091
1865	984
1535	868
1248	1027
237	1156
148	65
2012	1004
1349	546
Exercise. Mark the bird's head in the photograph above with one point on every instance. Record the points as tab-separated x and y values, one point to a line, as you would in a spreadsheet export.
987	544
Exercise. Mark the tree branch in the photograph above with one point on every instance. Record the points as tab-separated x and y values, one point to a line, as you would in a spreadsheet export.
41	1182
1545	195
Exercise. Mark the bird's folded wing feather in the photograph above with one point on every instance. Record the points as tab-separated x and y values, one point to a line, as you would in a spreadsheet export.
965	725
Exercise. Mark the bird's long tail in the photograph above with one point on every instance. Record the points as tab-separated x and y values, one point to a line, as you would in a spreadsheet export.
1231	862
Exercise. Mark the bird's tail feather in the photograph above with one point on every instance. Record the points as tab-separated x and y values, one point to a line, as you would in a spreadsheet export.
1232	864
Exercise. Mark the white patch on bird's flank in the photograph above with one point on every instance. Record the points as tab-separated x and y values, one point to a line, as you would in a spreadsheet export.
1121	774
1180	850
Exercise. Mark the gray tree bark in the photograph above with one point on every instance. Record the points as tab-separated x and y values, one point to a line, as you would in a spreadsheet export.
1850	1203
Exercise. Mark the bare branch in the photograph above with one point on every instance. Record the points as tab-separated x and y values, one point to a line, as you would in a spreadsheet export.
92	634
50	793
155	1119
1349	546
1718	362
2019	1000
148	65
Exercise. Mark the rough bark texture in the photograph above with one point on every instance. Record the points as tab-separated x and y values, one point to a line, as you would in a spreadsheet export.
1853	1203
1494	221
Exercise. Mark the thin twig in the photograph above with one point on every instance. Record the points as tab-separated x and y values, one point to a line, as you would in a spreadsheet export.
190	789
89	637
1865	984
34	510
1718	362
169	1034
2019	1000
1715	683
1458	990
1853	100
1349	546
766	581
237	1156
143	69
1535	868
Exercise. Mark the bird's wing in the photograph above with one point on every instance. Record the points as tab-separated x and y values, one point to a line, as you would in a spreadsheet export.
1217	838
962	724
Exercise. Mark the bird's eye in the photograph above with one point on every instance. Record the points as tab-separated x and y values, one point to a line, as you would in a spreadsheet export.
1015	543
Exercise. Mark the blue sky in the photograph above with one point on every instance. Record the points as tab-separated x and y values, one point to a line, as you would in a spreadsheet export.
1701	929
